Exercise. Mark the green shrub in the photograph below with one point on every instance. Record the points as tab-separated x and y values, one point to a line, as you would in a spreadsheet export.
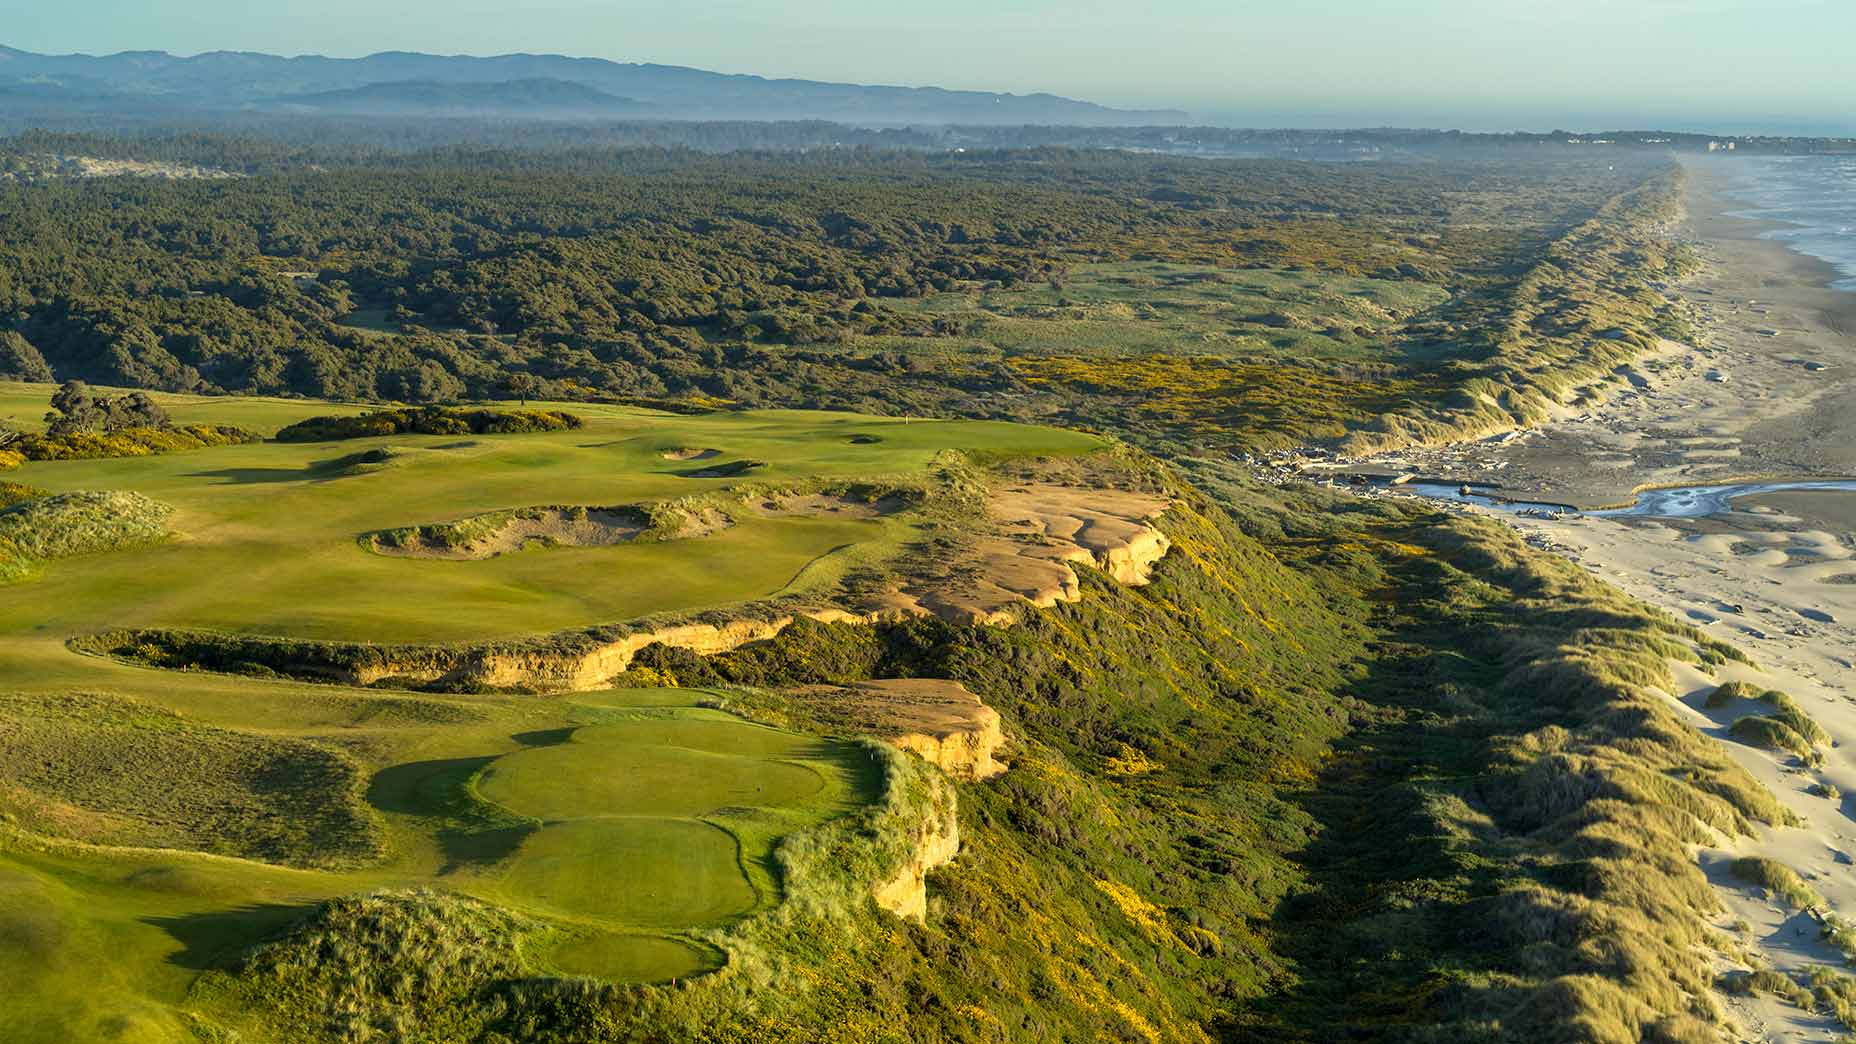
130	442
430	420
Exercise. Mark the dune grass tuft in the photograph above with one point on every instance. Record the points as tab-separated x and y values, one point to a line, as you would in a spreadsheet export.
1779	879
69	524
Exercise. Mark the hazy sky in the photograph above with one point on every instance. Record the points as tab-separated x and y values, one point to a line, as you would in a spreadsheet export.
1723	64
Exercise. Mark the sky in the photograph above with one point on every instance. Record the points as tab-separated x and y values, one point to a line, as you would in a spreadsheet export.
1724	65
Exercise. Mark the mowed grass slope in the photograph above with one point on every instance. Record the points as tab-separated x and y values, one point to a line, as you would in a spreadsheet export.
621	825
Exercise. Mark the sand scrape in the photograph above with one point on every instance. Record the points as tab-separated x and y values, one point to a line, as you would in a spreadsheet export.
1043	532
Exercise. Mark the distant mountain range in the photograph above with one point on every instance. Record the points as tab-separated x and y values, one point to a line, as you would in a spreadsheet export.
404	84
560	99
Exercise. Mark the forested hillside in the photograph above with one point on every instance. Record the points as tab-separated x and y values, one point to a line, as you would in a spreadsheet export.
886	282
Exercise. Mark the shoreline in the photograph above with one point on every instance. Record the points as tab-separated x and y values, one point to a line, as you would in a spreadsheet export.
1775	575
1781	586
1766	394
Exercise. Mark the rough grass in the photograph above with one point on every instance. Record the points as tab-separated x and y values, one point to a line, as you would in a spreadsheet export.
114	772
406	966
1788	728
1779	879
68	524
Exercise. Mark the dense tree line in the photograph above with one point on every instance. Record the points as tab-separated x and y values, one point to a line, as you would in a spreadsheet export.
759	279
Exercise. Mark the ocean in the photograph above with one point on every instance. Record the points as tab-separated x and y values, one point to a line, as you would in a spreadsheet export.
1814	197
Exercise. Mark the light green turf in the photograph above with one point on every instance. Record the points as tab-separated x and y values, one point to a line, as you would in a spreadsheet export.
628	958
618	770
268	543
666	873
633	818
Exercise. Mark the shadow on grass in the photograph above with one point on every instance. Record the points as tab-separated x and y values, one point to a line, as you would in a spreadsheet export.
1392	928
349	465
470	832
217	939
731	469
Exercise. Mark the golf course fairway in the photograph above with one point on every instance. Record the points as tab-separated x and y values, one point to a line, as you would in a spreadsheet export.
619	825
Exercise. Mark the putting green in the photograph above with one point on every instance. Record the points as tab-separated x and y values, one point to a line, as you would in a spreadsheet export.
626	770
655	873
630	958
660	818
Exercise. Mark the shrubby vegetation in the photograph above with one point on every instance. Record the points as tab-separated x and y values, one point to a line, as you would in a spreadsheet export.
13	494
427	421
84	426
129	442
75	409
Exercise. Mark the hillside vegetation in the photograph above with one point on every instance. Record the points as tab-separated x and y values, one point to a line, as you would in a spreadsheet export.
1396	302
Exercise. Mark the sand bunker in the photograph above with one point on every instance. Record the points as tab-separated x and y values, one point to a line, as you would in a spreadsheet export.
690	453
823	505
503	532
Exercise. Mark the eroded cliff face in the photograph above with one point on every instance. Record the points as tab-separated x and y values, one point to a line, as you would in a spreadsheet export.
936	843
574	667
942	722
596	668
